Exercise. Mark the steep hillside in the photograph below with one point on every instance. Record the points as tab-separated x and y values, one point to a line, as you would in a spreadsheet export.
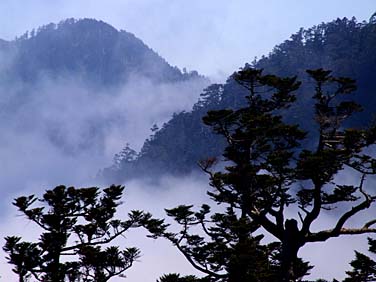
92	49
344	46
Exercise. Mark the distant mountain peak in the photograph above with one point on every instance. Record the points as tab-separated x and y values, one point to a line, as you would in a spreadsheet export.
372	19
85	25
92	49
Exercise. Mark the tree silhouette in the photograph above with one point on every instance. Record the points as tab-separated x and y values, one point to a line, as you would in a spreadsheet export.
174	277
77	227
270	168
364	267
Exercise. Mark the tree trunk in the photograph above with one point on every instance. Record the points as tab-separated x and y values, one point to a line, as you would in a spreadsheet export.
291	244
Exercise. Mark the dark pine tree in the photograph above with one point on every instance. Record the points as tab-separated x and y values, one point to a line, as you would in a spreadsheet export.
268	170
363	267
174	277
78	226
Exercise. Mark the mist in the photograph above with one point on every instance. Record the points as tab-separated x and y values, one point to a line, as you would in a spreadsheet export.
62	130
63	127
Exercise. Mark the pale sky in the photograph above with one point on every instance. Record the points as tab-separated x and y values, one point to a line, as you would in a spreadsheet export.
215	37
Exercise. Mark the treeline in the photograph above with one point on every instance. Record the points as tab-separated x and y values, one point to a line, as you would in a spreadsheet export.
344	46
91	50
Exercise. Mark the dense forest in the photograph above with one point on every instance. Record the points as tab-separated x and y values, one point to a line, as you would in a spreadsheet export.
344	46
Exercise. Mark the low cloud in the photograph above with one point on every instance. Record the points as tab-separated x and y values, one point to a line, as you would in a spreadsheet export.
61	131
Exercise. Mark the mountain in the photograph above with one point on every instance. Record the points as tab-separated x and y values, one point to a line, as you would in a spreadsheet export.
344	46
92	49
3	44
79	85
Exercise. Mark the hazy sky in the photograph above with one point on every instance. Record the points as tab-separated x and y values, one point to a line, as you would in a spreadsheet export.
214	37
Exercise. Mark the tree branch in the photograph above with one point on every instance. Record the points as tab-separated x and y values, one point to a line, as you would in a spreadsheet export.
326	234
369	223
314	213
266	223
100	242
198	267
338	229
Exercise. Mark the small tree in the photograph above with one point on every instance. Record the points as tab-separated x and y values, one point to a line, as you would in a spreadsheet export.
77	226
125	156
268	170
363	267
174	277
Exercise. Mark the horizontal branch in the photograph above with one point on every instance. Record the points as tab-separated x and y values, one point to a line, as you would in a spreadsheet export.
331	233
97	243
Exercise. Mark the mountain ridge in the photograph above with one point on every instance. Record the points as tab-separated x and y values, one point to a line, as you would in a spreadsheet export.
92	48
344	46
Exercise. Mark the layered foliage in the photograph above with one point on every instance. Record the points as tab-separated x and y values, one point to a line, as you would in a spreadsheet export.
270	169
174	277
363	267
77	227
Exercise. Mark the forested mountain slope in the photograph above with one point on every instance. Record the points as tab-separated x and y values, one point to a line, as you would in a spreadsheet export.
91	49
344	46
